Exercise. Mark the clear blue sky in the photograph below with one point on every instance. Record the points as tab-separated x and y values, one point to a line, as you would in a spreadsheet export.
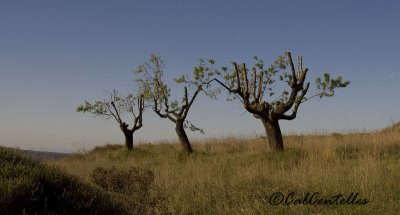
56	54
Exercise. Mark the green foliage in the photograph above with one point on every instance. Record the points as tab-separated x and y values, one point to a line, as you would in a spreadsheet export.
272	73
277	71
105	108
152	78
326	86
192	127
204	75
98	108
180	79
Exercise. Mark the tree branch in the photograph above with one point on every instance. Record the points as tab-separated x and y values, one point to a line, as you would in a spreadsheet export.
254	84
295	86
117	112
297	104
191	102
259	96
158	112
236	92
294	79
239	88
303	75
138	121
246	84
115	117
185	105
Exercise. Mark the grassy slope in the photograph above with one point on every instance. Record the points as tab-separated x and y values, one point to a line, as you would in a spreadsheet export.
237	176
30	187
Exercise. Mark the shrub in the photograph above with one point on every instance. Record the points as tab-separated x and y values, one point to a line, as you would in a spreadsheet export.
129	181
30	187
134	183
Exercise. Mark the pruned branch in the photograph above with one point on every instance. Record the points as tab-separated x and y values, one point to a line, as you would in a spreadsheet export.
295	85
259	95
238	88
246	86
251	94
294	79
138	121
254	84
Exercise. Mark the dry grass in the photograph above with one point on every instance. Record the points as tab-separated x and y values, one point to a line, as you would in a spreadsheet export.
238	176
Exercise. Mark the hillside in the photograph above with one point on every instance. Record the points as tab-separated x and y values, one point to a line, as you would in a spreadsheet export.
317	174
241	176
30	187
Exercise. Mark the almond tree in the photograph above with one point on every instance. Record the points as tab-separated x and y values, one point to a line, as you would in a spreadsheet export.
117	106
253	91
160	95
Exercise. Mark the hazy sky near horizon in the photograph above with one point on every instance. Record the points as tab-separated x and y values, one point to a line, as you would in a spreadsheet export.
56	54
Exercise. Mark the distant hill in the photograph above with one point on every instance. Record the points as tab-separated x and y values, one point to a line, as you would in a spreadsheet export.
41	155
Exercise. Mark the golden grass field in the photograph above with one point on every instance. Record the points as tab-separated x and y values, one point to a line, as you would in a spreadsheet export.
238	176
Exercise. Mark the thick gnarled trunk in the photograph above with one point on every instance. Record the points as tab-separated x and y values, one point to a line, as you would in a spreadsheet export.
128	139
128	133
180	131
274	135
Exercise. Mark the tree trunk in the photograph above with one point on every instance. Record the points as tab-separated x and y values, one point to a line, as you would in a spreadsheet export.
180	131
274	134
128	140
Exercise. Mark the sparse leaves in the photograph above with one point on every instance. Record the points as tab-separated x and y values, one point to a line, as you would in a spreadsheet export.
192	127
116	106
160	94
260	80
327	86
180	79
255	87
